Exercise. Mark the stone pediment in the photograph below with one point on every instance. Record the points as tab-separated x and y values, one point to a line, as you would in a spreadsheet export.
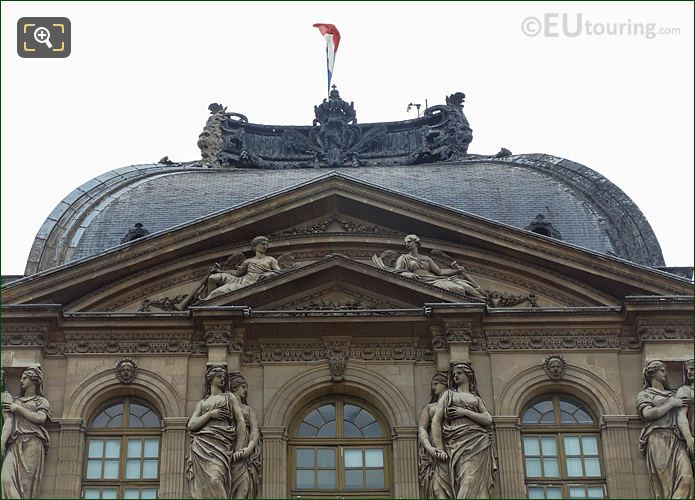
363	220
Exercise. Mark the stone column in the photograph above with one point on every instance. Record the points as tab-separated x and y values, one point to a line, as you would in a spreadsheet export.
172	465
510	457
70	457
274	463
405	473
616	456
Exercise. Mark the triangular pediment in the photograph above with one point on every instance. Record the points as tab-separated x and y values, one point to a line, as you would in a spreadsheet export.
361	220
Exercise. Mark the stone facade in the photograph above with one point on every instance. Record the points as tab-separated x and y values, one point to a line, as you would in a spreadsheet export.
337	323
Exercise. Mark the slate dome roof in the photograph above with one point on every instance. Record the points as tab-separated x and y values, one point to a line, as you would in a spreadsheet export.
581	206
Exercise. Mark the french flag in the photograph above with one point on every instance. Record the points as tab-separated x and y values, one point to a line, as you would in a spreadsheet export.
332	36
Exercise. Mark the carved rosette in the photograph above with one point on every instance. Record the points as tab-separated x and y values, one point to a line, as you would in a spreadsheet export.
555	366
126	370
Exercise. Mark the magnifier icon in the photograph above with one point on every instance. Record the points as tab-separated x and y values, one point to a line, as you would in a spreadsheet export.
42	35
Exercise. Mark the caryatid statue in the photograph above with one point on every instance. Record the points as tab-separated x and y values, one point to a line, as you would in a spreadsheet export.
218	435
668	464
433	466
27	443
246	473
685	413
7	400
461	426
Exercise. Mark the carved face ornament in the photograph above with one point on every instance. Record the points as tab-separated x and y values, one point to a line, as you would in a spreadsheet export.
554	366
126	370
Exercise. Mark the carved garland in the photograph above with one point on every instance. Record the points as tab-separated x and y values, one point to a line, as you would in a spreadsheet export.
131	343
665	329
23	336
578	338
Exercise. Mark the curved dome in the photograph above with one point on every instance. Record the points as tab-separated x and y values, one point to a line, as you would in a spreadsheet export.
579	205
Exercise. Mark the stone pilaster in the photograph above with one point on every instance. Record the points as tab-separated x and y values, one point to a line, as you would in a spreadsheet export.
510	457
217	340
440	347
173	454
274	463
70	456
236	347
616	456
405	473
458	335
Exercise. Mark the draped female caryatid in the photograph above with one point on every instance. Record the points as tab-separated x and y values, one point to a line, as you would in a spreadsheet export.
246	473
668	464
461	425
433	468
685	413
27	442
218	433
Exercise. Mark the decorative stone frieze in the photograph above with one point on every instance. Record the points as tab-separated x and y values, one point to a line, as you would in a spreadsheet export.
23	336
319	351
552	339
218	334
129	343
665	329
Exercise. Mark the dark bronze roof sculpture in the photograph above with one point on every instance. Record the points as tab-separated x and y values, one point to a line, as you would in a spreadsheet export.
335	139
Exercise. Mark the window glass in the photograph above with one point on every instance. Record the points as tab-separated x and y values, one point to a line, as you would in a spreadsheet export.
122	450
339	460
556	456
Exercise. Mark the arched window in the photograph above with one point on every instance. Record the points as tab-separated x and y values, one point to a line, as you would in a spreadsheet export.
562	450
340	447
122	452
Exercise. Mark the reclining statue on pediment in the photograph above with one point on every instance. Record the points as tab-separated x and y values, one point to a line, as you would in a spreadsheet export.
424	269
